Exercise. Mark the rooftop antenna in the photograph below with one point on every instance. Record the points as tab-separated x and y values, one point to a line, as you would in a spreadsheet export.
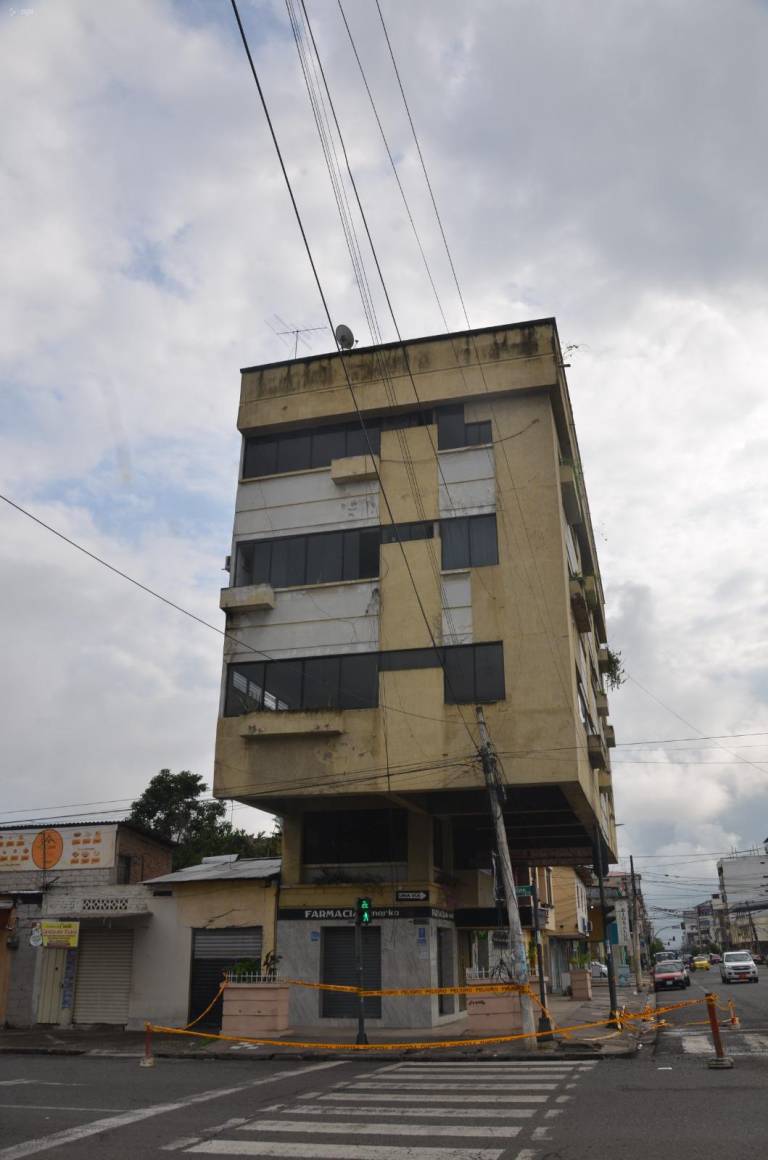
296	331
344	337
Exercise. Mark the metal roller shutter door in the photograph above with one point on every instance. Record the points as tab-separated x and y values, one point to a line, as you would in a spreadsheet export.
103	976
213	953
338	958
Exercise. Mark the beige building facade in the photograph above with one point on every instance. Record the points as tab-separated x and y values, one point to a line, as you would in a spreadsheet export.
412	538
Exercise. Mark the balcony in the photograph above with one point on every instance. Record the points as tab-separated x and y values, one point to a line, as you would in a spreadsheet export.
247	597
610	736
603	660
580	604
598	754
601	704
354	469
570	492
296	723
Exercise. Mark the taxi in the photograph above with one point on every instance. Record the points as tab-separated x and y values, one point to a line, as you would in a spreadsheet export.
700	963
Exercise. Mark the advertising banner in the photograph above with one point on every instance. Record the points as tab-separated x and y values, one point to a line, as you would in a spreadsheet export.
57	933
68	848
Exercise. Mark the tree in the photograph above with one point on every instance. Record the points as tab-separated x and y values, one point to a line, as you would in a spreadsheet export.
171	807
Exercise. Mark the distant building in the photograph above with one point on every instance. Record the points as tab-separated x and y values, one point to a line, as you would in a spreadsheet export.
412	538
744	890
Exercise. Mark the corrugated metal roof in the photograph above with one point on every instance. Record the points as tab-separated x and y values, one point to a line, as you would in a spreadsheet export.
217	871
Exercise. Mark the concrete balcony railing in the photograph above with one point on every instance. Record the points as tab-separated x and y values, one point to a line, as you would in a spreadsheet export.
601	704
247	597
596	748
354	469
296	723
603	660
96	901
610	736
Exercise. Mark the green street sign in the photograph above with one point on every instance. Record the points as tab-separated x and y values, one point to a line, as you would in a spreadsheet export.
524	891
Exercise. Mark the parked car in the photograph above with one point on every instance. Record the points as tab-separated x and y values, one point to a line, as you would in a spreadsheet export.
599	970
738	967
757	957
715	959
669	974
700	963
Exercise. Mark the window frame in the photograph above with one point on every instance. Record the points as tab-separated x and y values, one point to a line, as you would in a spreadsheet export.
461	527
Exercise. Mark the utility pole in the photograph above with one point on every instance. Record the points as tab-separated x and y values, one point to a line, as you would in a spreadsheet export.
545	1025
635	928
517	946
606	936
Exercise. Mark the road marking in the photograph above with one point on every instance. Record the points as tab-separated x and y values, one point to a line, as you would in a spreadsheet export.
442	1113
758	1042
39	1083
55	1108
382	1129
394	1085
71	1135
488	1097
343	1151
526	1154
541	1133
184	1142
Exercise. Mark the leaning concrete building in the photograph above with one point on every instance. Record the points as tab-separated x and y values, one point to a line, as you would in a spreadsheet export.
412	539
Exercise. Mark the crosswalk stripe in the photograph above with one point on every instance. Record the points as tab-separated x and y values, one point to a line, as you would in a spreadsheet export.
381	1128
442	1113
487	1097
342	1151
507	1064
395	1085
389	1085
759	1043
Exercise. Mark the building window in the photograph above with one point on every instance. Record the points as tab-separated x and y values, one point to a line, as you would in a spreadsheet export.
469	542
296	561
473	673
402	533
123	869
301	450
346	682
350	836
453	432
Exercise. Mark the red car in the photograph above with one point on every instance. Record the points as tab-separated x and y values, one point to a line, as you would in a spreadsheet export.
670	974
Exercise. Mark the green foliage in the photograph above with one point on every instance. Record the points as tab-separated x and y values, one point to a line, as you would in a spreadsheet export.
614	674
656	946
171	807
246	967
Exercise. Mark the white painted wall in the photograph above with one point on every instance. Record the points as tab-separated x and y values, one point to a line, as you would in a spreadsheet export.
316	621
308	501
162	950
467	482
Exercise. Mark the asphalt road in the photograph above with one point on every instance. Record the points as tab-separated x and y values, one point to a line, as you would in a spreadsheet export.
663	1102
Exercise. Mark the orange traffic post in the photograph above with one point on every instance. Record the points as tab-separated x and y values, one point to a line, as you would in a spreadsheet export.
721	1060
148	1059
734	1020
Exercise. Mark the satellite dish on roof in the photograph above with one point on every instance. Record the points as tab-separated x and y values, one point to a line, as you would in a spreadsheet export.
344	337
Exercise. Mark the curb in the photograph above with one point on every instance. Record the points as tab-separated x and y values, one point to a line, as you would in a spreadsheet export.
578	1054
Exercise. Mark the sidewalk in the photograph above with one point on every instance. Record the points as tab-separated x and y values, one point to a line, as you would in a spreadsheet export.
591	1043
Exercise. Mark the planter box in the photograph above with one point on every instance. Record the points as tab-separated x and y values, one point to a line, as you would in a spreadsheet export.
497	1013
255	1009
581	985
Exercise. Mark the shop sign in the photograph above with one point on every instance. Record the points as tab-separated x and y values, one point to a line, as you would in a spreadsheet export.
57	933
70	848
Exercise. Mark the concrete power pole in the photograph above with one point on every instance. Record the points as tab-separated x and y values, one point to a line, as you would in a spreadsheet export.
517	945
635	929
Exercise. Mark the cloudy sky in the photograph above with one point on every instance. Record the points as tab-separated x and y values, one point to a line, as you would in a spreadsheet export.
602	163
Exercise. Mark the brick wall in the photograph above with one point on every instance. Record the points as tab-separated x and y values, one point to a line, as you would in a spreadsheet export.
148	858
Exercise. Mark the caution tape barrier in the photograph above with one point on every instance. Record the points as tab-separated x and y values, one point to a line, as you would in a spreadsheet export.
622	1020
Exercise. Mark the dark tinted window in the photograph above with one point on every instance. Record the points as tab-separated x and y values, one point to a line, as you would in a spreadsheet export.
355	836
483	546
245	686
368	560
402	533
328	445
321	682
476	433
259	457
288	561
359	685
410	658
489	672
324	558
283	683
469	542
474	673
293	452
450	427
